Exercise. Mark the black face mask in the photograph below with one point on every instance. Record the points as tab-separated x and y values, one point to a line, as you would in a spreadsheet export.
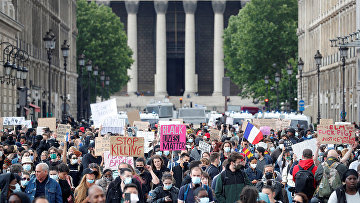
203	168
269	175
140	169
186	164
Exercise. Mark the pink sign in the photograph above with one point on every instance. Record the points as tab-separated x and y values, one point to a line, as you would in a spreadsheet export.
113	162
172	137
265	130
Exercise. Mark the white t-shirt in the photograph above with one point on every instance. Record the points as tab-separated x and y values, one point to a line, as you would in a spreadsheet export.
349	198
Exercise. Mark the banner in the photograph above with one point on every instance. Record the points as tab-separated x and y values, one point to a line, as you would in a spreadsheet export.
102	145
13	120
133	116
172	137
142	125
336	134
27	124
48	122
326	121
148	139
113	125
103	110
204	147
63	132
127	146
307	144
112	162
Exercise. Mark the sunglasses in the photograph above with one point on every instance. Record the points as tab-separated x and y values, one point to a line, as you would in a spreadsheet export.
26	179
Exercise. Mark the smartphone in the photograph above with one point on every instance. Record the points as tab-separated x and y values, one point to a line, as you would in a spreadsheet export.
127	197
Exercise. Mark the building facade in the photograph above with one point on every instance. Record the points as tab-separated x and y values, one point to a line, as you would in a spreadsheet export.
318	22
29	20
177	45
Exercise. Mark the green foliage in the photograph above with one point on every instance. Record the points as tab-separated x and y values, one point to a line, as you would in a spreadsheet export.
103	40
263	33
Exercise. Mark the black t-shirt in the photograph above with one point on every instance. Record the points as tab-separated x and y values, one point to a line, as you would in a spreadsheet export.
40	187
146	177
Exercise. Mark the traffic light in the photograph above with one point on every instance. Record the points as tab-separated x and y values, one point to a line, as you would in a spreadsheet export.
267	105
180	100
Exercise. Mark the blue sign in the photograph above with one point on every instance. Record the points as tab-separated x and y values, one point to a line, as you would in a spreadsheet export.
301	103
301	108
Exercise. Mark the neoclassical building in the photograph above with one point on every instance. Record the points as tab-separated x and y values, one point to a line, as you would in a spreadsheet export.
24	24
177	45
320	21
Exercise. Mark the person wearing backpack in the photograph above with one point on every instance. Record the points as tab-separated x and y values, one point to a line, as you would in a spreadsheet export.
304	174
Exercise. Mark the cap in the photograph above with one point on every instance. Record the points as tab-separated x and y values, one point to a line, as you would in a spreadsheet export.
82	129
26	160
292	130
89	171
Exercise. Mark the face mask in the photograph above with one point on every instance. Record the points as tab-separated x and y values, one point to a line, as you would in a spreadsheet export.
219	163
108	179
256	155
134	198
52	156
1	153
204	200
140	168
271	137
74	161
227	149
32	158
204	138
195	180
190	140
27	167
158	153
296	134
90	181
127	180
269	175
185	164
309	136
281	146
340	148
253	165
167	187
272	149
16	189
321	154
92	141
55	177
24	182
166	153
288	158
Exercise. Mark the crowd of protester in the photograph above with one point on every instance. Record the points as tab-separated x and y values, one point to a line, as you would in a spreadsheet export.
40	168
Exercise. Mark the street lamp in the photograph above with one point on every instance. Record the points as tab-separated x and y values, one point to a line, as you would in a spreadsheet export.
89	69
277	80
300	68
318	58
102	79
65	51
96	73
289	71
343	55
266	80
81	61
49	40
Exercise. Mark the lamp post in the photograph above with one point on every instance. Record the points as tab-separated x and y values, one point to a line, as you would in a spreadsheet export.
95	72
300	68
107	82
266	80
89	69
49	40
343	55
289	71
81	61
102	79
277	80
318	58
65	51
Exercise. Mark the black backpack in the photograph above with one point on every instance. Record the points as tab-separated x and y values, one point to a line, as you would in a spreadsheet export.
304	181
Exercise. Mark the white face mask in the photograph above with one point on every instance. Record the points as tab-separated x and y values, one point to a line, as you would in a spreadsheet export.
134	198
253	165
281	146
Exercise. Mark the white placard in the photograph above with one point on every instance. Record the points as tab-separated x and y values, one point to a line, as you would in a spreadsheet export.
113	162
148	139
27	124
102	110
307	144
39	130
113	125
204	147
229	120
13	120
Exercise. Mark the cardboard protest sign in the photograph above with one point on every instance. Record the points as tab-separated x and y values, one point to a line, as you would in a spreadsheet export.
214	134
102	144
27	124
13	120
48	122
172	137
142	125
307	144
1	123
229	120
204	147
133	116
284	124
326	121
336	134
103	110
265	122
127	146
148	139
63	131
113	125
113	162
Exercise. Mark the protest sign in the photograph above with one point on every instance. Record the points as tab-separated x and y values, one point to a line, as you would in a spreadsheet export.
307	144
284	124
204	147
265	130
48	122
1	123
13	120
265	122
103	110
127	146
113	125
326	121
63	131
40	130
214	134
229	120
27	124
142	125
113	162
148	139
172	137
102	144
133	116
336	134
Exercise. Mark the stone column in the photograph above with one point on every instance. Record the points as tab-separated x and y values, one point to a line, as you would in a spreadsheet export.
190	75
219	8
160	76
132	8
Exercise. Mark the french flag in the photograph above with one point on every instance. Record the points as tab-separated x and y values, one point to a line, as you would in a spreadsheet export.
252	134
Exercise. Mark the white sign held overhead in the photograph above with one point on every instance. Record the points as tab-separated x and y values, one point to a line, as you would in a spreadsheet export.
27	124
204	147
113	125
102	110
13	120
148	139
307	144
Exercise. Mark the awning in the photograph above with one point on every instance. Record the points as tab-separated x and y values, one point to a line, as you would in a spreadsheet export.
36	108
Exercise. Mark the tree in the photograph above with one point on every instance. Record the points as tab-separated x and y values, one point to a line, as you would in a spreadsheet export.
262	34
103	40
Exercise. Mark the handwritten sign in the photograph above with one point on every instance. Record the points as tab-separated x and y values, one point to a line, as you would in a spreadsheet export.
113	125
307	144
133	116
13	120
40	130
204	147
285	124
336	134
214	134
102	144
113	162
48	122
103	110
127	146
148	139
326	121
63	132
142	125
27	124
172	137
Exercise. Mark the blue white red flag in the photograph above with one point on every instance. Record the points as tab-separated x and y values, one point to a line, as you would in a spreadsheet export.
252	134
